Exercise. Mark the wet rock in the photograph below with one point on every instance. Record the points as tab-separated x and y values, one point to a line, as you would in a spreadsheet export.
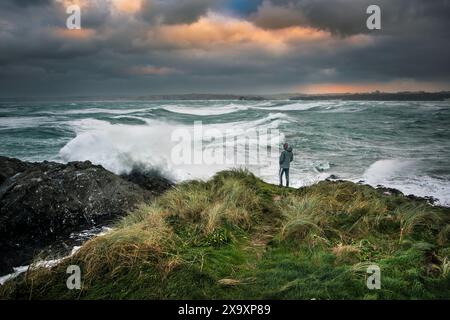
395	192
9	167
389	191
43	202
427	199
333	177
150	180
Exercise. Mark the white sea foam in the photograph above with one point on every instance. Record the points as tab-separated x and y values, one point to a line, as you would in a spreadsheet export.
403	174
17	271
298	106
205	110
386	169
23	122
102	110
83	235
120	147
148	141
40	264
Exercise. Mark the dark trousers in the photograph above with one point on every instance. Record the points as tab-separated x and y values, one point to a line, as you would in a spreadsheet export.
284	171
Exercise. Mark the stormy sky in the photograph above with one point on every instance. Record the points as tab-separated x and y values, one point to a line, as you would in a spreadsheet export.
144	47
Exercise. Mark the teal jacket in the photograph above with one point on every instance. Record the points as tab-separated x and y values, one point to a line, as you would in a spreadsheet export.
286	158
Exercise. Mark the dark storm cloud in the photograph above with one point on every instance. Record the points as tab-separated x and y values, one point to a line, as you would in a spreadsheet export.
25	3
175	46
347	17
174	11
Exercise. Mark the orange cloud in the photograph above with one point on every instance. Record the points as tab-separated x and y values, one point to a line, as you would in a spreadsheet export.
127	6
214	30
81	3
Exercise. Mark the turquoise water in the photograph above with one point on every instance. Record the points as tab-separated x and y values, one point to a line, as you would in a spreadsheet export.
404	145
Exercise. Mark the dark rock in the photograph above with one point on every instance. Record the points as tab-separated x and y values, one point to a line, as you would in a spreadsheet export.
10	167
150	180
395	192
428	199
332	177
42	202
389	191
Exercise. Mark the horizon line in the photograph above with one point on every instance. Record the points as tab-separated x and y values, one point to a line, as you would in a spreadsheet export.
243	95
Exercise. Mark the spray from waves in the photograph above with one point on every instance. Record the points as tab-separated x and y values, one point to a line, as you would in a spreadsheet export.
403	174
120	147
383	170
123	136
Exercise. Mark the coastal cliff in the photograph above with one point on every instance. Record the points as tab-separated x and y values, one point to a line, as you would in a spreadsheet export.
237	237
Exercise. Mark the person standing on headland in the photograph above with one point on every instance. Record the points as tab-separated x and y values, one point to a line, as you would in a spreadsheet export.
286	158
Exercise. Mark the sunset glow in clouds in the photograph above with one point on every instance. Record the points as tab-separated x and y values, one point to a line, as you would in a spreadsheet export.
175	46
128	6
392	86
213	31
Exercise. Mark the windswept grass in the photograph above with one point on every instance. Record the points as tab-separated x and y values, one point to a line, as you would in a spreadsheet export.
236	237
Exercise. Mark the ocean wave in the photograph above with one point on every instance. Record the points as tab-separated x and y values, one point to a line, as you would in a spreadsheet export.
87	124
121	138
385	169
121	111
298	106
321	166
23	122
404	175
319	106
120	147
205	110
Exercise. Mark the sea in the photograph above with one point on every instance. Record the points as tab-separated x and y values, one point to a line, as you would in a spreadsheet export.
402	145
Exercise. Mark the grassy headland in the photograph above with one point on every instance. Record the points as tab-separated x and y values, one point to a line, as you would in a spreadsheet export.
236	237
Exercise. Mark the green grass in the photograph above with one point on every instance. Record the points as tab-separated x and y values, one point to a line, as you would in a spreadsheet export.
236	237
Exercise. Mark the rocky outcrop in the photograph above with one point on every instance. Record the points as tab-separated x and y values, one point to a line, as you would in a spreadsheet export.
10	166
151	180
392	191
43	202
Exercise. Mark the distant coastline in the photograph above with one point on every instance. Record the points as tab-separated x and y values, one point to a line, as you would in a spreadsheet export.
372	96
379	96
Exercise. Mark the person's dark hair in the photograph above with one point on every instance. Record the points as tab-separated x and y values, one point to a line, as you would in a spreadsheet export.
285	146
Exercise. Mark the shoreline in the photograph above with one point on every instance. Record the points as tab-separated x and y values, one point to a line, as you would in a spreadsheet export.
219	239
330	176
63	243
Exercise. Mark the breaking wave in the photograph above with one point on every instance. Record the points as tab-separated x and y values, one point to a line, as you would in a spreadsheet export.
403	174
121	147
